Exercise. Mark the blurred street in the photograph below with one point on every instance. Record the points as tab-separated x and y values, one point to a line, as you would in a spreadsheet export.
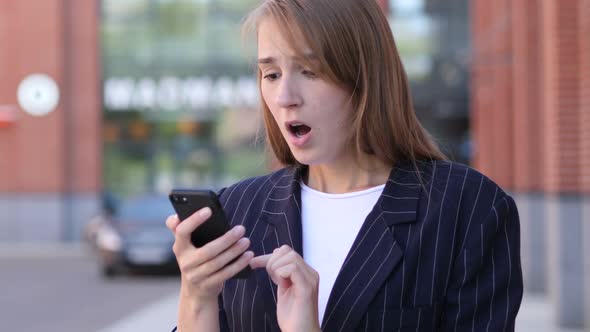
60	289
537	315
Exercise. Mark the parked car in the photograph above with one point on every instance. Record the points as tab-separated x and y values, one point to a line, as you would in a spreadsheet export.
133	234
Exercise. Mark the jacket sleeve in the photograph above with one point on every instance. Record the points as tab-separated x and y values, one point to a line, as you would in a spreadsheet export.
485	287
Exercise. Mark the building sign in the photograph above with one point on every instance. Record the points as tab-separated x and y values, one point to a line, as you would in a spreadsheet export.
38	94
199	95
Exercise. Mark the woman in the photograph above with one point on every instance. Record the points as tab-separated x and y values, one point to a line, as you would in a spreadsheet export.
367	228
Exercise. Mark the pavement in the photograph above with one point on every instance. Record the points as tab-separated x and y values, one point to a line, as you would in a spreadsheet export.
153	317
536	314
49	250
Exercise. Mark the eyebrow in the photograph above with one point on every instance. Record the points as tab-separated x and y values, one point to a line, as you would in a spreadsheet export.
271	60
266	60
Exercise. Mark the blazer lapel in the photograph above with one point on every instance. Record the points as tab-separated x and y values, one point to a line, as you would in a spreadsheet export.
281	224
281	214
374	253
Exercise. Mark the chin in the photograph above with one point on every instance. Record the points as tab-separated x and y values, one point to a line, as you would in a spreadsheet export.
304	157
308	158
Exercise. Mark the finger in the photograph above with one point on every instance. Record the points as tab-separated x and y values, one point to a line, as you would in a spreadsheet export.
277	254
260	261
230	270
292	266
271	266
227	256
187	226
172	222
294	275
285	271
212	249
223	242
207	260
293	269
283	276
286	258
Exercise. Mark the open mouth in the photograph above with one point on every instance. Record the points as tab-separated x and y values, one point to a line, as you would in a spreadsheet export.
298	129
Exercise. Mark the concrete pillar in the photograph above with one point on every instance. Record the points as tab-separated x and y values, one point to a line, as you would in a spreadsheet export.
564	169
565	247
531	208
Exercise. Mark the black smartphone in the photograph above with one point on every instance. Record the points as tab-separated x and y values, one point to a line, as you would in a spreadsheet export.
187	202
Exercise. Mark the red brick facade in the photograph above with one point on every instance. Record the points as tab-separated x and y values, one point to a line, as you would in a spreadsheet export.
584	40
59	152
530	94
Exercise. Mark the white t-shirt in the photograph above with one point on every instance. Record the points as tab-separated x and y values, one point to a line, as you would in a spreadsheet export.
330	224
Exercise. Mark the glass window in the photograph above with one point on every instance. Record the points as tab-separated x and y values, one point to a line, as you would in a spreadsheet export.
180	95
433	39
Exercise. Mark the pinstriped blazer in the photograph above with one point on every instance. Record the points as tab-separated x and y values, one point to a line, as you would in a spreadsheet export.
440	250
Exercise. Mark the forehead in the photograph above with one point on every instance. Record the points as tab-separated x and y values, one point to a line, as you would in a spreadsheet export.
278	41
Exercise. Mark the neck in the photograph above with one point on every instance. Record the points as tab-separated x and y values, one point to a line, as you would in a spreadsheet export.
349	176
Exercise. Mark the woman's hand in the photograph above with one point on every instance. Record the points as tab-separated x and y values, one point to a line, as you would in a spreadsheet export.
298	283
203	270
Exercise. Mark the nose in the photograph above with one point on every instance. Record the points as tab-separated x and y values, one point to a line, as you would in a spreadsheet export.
288	96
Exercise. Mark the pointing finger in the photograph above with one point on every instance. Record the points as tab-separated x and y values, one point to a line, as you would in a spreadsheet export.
260	261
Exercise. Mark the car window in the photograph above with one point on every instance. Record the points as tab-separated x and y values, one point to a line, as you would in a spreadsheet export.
148	210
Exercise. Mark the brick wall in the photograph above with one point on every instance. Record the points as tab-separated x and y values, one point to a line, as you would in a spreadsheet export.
584	17
59	152
563	108
527	108
31	151
492	68
530	94
84	103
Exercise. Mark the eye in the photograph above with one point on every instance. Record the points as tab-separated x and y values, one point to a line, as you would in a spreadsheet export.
271	77
309	73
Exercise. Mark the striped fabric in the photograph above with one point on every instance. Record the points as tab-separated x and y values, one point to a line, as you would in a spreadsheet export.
440	251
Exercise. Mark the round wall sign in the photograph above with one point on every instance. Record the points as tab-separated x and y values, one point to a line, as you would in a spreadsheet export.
38	94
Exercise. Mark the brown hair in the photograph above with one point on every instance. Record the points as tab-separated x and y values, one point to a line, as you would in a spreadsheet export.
354	48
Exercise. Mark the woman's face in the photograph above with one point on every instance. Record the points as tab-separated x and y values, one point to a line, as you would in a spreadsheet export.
312	113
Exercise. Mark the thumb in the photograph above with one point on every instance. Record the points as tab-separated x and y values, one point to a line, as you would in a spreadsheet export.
172	222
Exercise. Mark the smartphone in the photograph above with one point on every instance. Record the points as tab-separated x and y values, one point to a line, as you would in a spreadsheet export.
187	202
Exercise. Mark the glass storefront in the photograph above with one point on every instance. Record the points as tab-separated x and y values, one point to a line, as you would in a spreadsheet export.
180	95
434	42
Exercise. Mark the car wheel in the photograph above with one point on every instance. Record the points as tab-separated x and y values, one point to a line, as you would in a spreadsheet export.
109	271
